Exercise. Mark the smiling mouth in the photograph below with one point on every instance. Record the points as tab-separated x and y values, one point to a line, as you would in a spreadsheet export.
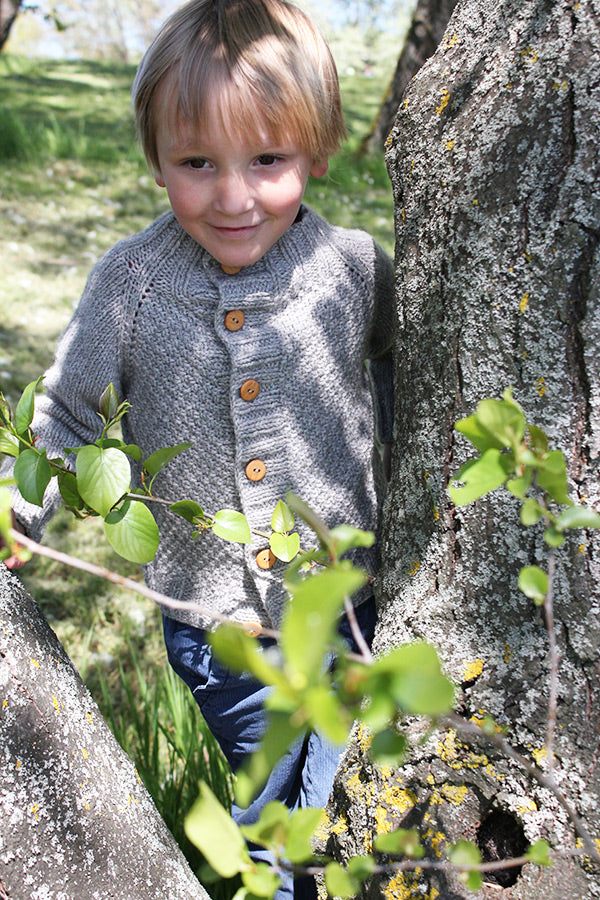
239	232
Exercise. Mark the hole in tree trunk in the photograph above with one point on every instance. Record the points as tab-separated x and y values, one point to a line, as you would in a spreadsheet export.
501	836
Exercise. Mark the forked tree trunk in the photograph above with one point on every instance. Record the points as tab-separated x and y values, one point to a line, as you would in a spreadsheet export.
495	163
76	823
9	10
426	29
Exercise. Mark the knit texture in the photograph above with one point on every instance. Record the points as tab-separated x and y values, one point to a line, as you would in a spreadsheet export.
152	321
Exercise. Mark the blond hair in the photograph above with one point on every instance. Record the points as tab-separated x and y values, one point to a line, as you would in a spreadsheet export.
262	56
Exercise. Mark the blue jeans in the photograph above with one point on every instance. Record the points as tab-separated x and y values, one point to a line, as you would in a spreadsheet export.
233	707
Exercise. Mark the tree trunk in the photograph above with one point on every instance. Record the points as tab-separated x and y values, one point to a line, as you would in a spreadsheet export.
9	10
427	27
76	823
495	161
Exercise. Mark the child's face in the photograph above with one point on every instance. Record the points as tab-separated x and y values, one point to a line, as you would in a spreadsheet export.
235	196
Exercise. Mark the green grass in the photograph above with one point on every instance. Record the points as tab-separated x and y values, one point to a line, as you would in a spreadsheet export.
72	183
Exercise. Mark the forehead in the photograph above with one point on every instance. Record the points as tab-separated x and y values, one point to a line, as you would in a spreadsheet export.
220	109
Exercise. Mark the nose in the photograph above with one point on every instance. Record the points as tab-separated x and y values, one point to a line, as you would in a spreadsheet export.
233	194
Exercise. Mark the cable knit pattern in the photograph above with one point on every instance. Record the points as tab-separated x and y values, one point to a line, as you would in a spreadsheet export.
152	321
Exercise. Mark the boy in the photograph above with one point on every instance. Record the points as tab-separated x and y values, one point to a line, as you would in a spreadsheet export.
240	321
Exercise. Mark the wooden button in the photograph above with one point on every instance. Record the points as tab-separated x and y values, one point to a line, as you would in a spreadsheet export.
234	320
256	470
265	559
249	390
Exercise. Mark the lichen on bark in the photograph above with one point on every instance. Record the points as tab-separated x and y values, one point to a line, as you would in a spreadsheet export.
494	160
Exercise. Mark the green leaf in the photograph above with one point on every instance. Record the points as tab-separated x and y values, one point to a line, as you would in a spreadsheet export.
402	842
231	525
327	714
132	531
285	546
210	828
189	510
67	485
312	519
504	419
480	476
109	403
465	854
388	747
310	619
361	866
520	486
160	458
345	538
414	679
25	407
262	881
539	440
5	513
103	476
242	653
283	518
533	581
531	511
271	829
539	853
9	444
130	449
281	734
577	517
471	428
552	476
303	824
339	882
553	537
32	474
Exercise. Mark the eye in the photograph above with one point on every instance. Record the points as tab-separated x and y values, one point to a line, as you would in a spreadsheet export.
197	162
268	159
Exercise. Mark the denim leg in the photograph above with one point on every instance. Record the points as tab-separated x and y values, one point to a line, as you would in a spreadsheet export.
233	707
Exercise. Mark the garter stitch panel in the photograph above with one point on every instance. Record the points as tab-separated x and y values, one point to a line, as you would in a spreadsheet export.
152	321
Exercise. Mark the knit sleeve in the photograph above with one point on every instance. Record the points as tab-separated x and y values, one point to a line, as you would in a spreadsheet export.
87	359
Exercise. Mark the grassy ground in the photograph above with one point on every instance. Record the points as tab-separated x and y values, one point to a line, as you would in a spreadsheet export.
72	182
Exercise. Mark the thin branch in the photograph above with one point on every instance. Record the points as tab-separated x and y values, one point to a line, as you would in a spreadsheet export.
453	720
365	653
554	662
130	584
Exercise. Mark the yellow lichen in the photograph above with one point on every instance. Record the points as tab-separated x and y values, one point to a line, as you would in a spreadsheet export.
443	102
55	703
451	41
581	549
541	386
507	656
450	144
415	565
472	669
407	886
524	302
539	754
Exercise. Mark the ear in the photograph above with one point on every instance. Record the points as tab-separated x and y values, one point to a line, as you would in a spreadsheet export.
319	168
159	179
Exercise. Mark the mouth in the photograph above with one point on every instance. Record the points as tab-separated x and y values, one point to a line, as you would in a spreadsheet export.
238	232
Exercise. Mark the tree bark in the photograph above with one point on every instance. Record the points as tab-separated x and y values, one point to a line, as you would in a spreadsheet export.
494	160
76	823
427	27
9	10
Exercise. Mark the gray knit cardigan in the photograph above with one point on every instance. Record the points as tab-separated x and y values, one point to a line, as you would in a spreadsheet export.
152	321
